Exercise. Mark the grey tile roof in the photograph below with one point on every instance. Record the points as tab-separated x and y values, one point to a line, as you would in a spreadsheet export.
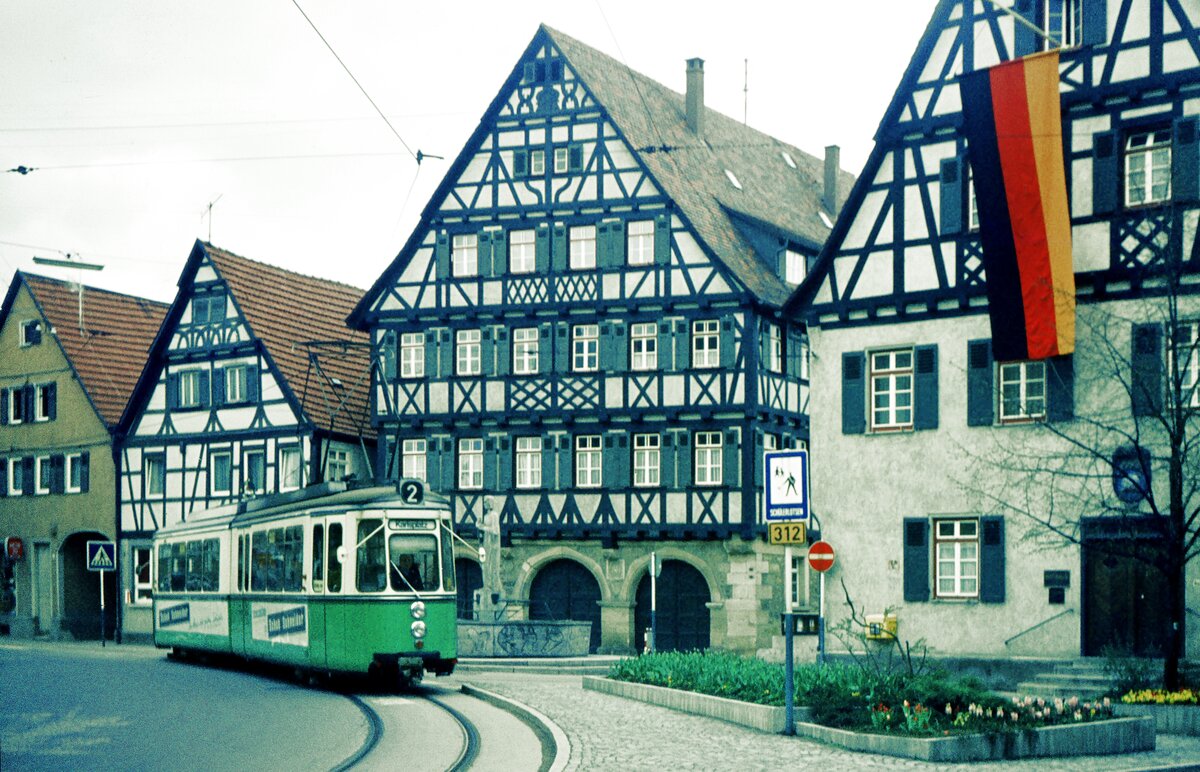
692	171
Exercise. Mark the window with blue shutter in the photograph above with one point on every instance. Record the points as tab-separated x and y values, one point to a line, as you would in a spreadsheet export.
58	467
559	248
521	157
1095	22
503	350
683	346
1146	382
3	407
442	255
683	460
202	379
218	386
666	360
616	460
662	240
562	348
981	404
491	463
549	474
854	395
445	354
172	391
485	352
499	253
27	476
545	348
1060	387
52	401
916	559
541	256
731	450
991	559
85	472
1106	177
1185	160
951	195
925	412
728	344
432	346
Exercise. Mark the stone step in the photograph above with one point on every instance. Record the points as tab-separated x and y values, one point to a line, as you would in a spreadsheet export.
1050	689
594	665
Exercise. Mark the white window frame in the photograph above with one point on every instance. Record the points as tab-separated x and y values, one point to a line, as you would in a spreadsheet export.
412	355
639	242
583	247
41	402
522	251
247	480
464	255
795	267
706	343
647	460
589	460
41	465
892	389
149	462
525	351
338	464
16	406
537	162
13	467
189	388
562	160
237	383
468	358
1026	381
27	326
585	348
956	547
709	458
972	202
143	591
643	346
528	462
289	453
1149	151
1067	29
414	459
72	466
470	463
214	459
1184	348
774	335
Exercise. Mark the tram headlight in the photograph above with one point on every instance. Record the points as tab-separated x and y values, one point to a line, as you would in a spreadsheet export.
417	609
418	630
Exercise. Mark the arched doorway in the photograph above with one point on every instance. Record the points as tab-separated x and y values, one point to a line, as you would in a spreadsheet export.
81	590
565	590
469	578
683	617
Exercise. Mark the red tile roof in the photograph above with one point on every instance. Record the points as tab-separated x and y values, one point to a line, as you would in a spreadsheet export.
111	351
286	310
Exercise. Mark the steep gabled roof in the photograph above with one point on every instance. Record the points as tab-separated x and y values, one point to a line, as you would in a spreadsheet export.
690	169
110	351
286	310
693	170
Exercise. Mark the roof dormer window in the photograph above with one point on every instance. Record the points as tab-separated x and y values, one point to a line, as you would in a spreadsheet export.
733	180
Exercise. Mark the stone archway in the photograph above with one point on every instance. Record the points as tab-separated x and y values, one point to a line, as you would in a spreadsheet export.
564	589
81	590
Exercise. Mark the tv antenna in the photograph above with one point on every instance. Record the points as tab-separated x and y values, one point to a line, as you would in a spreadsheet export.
72	261
207	211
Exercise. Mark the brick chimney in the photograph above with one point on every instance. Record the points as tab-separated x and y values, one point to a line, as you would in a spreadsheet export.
832	166
695	95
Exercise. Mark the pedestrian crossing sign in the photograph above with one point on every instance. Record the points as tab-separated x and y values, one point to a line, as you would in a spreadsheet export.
101	556
786	485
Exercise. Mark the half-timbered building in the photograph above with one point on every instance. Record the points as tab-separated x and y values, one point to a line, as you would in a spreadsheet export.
583	337
942	474
253	385
69	358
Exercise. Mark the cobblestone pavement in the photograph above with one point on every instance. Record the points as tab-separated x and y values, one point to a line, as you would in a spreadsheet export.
612	733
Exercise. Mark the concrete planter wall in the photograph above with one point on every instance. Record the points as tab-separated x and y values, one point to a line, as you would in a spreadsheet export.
1119	735
523	638
761	717
1168	719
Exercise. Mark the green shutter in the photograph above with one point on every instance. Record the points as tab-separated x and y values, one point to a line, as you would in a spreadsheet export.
730	450
662	240
683	348
951	195
991	559
558	257
542	249
3	407
981	410
666	361
916	559
431	354
683	459
545	348
503	348
616	236
562	348
854	417
1146	382
1185	160
85	472
1060	388
1106	176
445	353
925	400
499	253
442	255
728	344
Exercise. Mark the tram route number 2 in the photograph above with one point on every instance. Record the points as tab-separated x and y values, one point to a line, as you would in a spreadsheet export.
412	492
787	533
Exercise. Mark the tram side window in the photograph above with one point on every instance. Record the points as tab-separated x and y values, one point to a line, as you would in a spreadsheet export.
241	563
172	567
277	560
371	560
192	566
335	565
414	562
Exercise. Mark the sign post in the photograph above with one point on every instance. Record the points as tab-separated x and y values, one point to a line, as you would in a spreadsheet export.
102	557
785	502
820	558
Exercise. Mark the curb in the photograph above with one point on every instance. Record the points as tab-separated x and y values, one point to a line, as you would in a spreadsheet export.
553	738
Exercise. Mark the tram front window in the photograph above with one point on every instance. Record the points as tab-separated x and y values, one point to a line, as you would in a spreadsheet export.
414	562
371	575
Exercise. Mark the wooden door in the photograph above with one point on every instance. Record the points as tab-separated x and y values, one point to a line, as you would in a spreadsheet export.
683	616
564	590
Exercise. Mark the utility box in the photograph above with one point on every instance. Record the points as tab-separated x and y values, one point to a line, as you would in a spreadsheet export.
881	627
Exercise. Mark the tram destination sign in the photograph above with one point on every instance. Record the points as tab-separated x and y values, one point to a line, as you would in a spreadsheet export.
786	496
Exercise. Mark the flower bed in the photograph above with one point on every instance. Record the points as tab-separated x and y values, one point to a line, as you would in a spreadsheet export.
1173	712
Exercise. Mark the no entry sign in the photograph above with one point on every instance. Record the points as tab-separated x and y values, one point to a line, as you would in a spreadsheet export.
820	556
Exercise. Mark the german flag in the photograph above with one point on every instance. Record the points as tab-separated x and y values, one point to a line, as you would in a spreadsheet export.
1013	126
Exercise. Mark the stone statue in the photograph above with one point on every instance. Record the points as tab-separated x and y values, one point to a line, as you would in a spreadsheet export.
493	587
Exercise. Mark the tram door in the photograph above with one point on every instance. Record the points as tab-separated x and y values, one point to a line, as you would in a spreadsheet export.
326	619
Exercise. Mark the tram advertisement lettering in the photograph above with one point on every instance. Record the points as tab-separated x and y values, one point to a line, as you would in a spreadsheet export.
175	615
285	622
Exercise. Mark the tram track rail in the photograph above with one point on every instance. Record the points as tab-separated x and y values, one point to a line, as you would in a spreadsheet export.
470	737
375	734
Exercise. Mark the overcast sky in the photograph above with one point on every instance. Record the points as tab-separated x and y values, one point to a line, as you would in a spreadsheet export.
136	114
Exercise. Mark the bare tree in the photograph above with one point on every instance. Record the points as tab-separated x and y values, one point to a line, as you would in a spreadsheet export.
1128	458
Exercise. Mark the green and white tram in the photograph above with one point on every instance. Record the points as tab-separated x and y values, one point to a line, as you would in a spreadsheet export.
328	579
